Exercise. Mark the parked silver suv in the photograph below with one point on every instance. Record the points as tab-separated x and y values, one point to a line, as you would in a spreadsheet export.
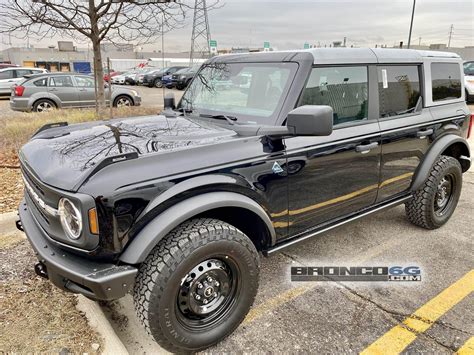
64	90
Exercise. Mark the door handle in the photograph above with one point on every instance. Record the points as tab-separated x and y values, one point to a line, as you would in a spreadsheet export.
53	89
365	148
424	133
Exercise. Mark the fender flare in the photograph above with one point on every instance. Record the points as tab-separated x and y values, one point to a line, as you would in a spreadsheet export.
438	147
161	225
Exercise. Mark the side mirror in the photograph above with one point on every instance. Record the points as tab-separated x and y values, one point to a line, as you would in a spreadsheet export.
310	120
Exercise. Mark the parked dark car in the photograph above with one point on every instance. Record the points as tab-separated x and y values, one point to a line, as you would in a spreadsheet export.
43	92
181	79
154	78
262	152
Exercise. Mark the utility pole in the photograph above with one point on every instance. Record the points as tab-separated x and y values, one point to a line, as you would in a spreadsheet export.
450	34
201	35
419	41
411	23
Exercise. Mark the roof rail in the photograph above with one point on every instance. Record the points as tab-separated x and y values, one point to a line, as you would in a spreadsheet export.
49	126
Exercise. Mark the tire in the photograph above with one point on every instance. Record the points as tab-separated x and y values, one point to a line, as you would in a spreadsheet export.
434	203
123	101
182	261
180	86
158	84
44	105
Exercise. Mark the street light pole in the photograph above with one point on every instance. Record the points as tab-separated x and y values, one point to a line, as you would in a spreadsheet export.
411	23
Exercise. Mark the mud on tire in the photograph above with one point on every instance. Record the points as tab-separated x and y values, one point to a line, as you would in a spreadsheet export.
435	201
197	256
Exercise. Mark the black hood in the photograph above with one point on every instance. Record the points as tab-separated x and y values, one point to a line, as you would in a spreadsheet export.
64	157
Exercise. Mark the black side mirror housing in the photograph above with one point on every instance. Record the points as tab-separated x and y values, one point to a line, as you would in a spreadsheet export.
310	120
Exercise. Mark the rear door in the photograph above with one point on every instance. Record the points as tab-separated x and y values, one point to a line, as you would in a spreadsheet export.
331	177
86	89
63	87
406	126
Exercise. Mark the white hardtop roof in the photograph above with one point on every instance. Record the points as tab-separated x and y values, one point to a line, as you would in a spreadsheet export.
373	55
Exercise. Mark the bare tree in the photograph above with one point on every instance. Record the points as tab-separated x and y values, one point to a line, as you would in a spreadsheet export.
97	21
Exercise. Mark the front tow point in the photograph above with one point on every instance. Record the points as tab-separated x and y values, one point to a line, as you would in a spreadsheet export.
40	270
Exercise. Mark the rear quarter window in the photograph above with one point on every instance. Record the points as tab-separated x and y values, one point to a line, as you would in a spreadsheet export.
41	82
446	81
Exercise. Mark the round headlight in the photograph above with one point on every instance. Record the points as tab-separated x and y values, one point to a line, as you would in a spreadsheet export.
183	76
70	217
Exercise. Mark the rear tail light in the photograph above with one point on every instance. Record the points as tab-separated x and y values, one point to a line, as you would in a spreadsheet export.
19	90
469	129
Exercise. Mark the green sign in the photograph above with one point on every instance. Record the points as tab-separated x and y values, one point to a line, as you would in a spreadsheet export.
213	43
306	46
266	44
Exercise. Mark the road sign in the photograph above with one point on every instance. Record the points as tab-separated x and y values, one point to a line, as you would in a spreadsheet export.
213	43
266	45
306	46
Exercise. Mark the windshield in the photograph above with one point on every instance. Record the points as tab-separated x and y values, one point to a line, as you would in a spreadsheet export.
251	92
183	71
469	68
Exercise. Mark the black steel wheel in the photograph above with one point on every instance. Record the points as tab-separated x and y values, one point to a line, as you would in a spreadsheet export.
197	285
434	203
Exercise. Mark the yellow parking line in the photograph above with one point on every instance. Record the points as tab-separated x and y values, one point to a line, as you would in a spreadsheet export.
402	335
271	304
467	348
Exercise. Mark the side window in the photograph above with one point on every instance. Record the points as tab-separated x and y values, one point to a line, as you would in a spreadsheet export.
345	89
445	81
41	82
84	81
21	72
60	81
36	71
399	89
7	74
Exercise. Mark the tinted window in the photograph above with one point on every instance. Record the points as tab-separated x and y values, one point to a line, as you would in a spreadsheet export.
342	88
41	82
445	81
22	72
399	89
61	81
84	81
7	74
36	71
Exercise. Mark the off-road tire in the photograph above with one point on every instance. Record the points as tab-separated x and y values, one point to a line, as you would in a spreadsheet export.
160	278
420	210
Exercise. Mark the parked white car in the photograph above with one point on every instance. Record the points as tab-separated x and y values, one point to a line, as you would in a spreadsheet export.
118	79
469	80
11	76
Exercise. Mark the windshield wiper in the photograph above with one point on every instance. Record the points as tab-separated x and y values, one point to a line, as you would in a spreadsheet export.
230	119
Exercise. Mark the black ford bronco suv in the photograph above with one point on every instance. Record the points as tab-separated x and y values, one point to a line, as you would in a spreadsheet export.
263	151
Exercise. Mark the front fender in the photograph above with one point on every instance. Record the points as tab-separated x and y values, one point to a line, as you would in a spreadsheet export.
172	217
438	147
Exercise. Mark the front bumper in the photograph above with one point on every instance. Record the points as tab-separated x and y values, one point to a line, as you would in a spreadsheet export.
70	272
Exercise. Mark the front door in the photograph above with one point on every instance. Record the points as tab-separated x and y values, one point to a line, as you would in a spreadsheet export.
330	177
86	89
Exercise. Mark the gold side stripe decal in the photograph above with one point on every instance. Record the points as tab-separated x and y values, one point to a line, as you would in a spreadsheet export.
343	197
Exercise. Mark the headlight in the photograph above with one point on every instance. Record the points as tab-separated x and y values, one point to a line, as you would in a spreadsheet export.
134	92
183	76
70	217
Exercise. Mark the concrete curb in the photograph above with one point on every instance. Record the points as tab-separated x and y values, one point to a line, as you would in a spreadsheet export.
97	320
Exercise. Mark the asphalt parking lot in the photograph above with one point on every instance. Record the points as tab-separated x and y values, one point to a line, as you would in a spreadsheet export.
434	315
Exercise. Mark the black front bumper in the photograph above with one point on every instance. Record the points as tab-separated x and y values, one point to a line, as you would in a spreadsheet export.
70	272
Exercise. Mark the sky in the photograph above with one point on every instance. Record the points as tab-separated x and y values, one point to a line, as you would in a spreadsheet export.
289	24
